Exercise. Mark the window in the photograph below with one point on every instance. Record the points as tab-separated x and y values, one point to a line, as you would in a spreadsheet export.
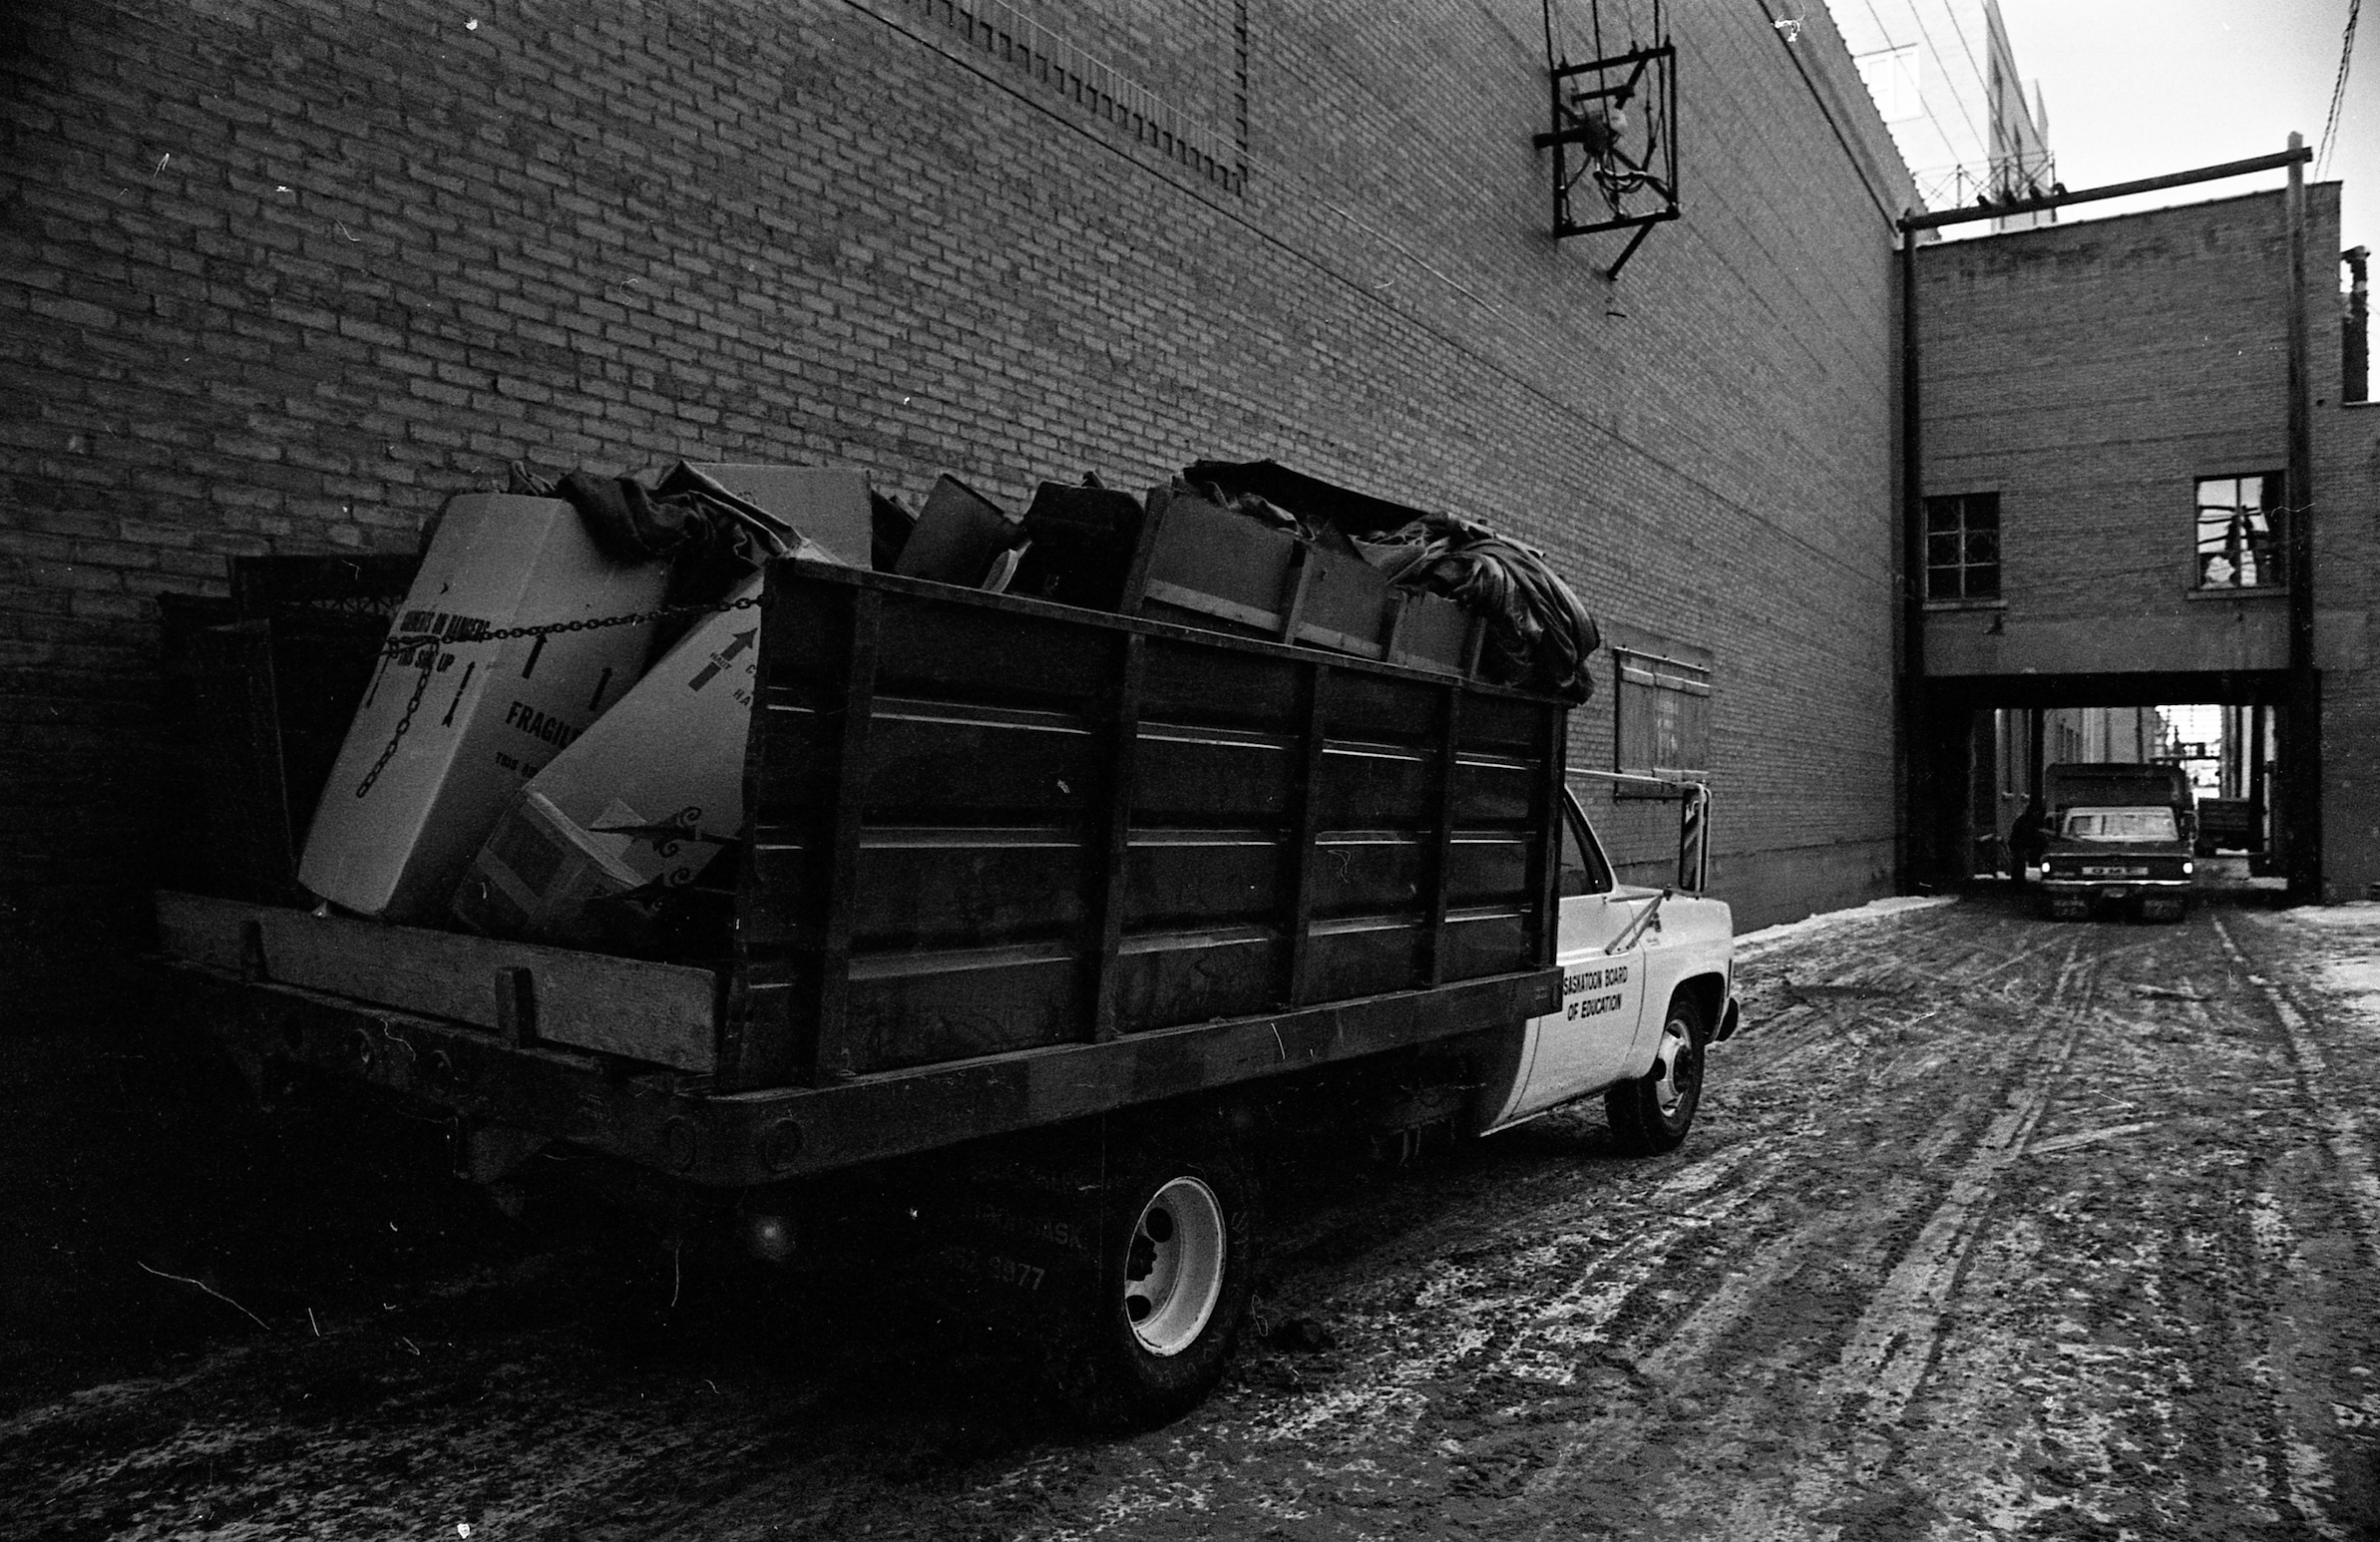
2239	534
2118	826
1892	76
1583	869
1962	547
1662	714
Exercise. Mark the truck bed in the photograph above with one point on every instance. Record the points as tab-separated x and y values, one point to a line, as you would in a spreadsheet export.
981	823
1007	863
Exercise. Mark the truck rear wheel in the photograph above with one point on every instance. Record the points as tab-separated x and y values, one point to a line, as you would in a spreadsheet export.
1145	1336
1651	1114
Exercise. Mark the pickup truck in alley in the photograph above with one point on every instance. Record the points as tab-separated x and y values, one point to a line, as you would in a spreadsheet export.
2122	835
1060	926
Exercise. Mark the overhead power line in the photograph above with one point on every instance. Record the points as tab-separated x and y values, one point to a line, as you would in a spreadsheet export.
2338	92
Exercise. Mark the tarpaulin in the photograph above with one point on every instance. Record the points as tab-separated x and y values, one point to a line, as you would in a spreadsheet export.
713	539
1538	634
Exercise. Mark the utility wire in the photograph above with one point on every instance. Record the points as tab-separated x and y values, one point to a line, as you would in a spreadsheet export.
1787	28
1941	60
2338	93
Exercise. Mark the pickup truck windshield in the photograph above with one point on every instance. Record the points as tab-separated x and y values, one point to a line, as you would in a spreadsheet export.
2152	824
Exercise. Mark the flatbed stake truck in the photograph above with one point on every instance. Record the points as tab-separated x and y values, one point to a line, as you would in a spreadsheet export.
1044	916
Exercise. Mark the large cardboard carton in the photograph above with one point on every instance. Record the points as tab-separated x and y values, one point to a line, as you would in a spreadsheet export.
449	731
646	796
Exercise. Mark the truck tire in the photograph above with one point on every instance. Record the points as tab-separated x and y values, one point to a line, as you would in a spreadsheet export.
1651	1114
1144	1336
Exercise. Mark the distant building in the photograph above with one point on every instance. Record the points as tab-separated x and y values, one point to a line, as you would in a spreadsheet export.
1945	81
2103	451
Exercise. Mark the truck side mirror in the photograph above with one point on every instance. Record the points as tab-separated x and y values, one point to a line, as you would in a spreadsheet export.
1694	837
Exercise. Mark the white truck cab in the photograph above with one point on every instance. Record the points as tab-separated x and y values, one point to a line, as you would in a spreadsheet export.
1647	987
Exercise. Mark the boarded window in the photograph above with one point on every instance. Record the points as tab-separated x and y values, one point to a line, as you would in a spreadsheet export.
2240	532
1962	547
1662	713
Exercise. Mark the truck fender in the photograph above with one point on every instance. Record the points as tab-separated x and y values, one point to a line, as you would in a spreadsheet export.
1709	992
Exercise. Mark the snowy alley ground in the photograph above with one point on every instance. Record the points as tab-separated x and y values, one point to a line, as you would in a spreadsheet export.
1992	1226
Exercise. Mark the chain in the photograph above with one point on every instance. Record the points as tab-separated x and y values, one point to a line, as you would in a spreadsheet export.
429	668
400	643
429	647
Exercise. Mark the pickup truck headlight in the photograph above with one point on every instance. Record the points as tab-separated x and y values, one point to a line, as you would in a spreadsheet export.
2188	868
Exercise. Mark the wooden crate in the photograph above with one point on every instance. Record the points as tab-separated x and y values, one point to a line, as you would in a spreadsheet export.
1203	565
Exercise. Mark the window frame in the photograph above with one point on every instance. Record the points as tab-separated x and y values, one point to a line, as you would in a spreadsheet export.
2274	552
1964	532
1646	678
1578	841
1899	70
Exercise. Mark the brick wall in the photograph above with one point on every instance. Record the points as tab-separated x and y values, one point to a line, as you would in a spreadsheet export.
282	274
2090	373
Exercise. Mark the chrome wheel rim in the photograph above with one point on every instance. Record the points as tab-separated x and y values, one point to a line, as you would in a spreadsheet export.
1673	1067
1173	1272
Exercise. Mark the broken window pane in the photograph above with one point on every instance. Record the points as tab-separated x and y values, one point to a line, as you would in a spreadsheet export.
2237	535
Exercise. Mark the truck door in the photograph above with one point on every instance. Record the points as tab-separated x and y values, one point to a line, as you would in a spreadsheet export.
1587	1045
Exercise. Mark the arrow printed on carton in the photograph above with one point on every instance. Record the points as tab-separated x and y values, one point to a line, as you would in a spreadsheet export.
719	660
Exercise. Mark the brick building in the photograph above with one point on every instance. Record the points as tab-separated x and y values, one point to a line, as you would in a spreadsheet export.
2110	399
283	275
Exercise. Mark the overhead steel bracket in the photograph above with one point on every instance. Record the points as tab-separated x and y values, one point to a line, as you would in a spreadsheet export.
1612	126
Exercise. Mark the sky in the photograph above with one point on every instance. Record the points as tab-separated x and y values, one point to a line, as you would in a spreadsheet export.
2141	88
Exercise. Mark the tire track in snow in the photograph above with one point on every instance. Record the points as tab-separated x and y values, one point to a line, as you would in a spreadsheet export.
1387	1396
1578	1321
1677	1351
2348	1144
2296	1472
1893	1344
